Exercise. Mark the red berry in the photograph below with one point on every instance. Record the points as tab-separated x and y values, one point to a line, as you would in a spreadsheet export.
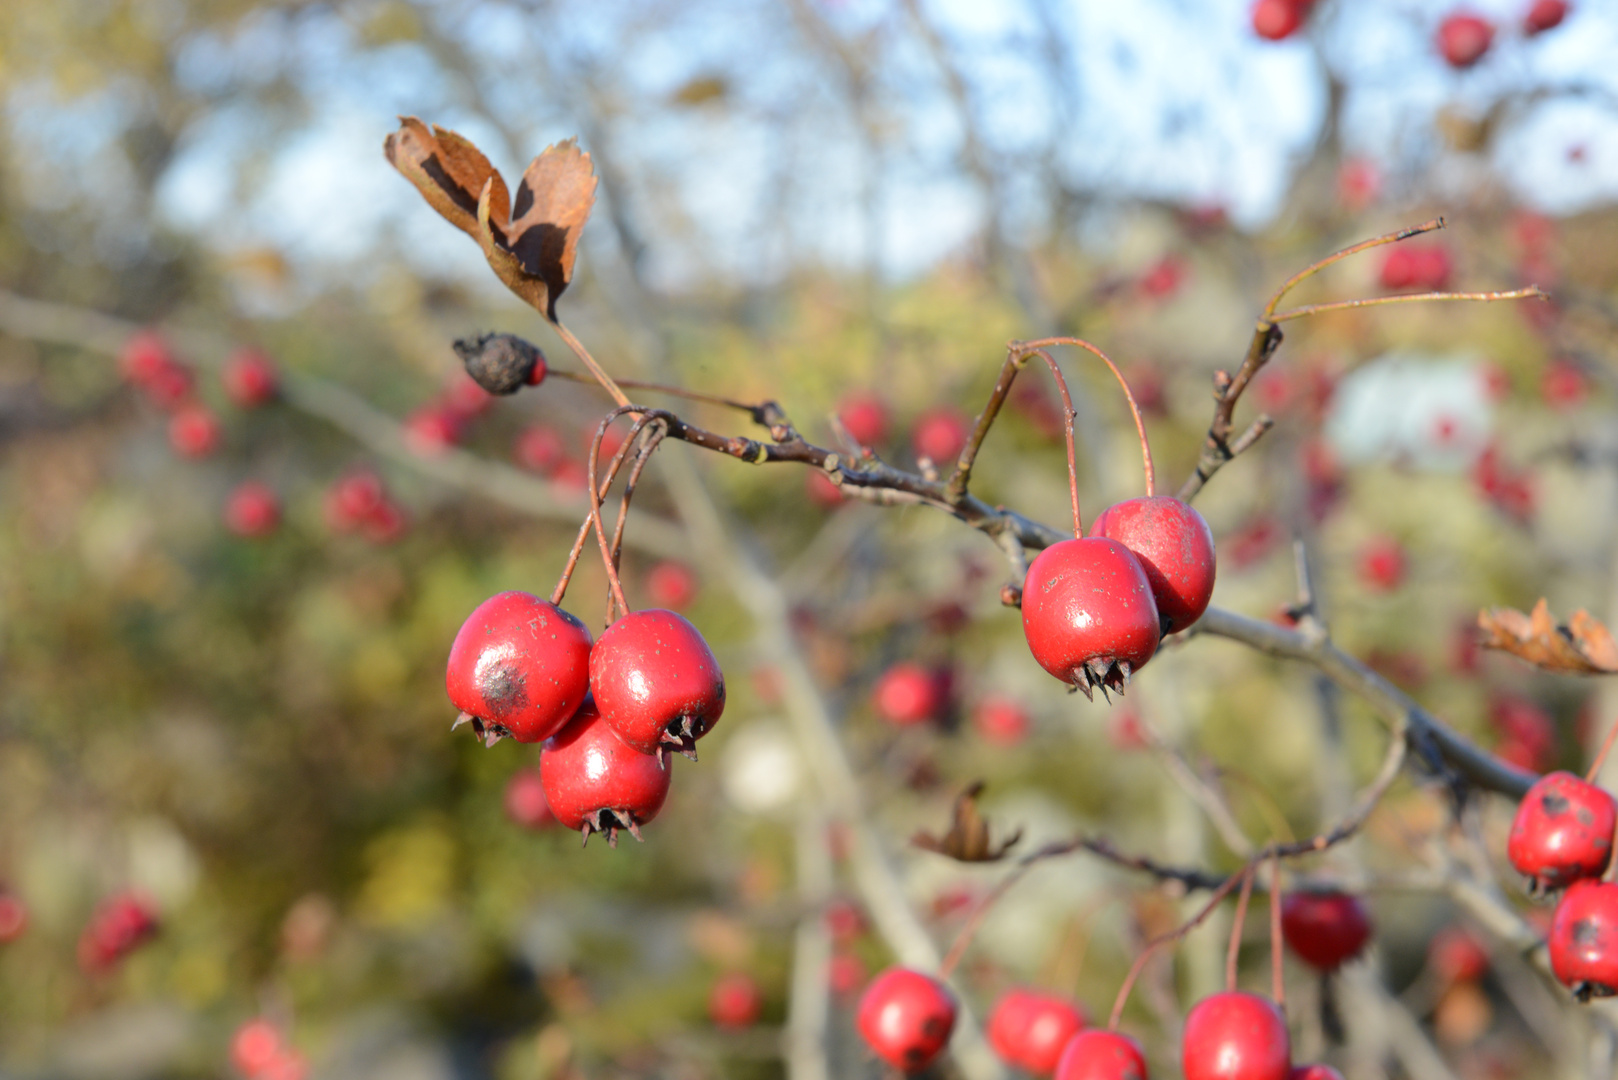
671	585
1325	929
906	1018
1030	1030
940	435
252	510
1088	613
1382	564
1456	955
1235	1036
13	917
1164	277
144	357
595	783
1002	720
1358	183
735	1001
431	430
1432	266
1527	731
1463	38
353	499
907	694
1175	548
525	800
1314	1072
823	490
194	431
844	921
1584	939
657	683
1563	832
1564	386
463	399
250	379
519	667
1276	20
1398	268
119	926
1101	1055
385	524
1544	15
865	418
571	475
255	1047
170	387
845	974
539	449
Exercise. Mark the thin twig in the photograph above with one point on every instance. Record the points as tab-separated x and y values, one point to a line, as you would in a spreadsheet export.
1531	292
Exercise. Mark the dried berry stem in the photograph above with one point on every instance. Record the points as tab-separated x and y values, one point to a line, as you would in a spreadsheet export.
1601	755
618	460
660	388
1234	949
1068	415
1364	245
1129	395
596	495
1278	989
963	939
1531	292
618	396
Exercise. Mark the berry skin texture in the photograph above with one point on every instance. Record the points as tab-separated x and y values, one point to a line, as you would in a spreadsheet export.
1463	38
1236	1036
1584	939
940	435
907	694
1101	1055
735	1002
1325	929
1030	1030
657	683
524	800
194	431
1563	832
1544	15
906	1017
519	667
1276	20
253	510
1088	613
250	379
1175	548
594	783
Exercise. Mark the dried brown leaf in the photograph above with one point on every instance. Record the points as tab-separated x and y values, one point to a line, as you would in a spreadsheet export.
968	837
1581	646
553	202
449	171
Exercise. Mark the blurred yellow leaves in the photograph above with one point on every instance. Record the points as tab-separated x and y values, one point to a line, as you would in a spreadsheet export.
410	876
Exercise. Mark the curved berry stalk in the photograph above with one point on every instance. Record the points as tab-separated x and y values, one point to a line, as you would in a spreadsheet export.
585	529
595	783
1129	396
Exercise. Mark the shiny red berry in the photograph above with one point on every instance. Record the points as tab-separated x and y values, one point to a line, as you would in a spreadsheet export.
252	510
1463	38
595	783
250	379
940	435
1101	1055
524	800
1325	929
1584	939
907	694
906	1017
1544	15
657	683
865	418
194	431
1235	1036
519	667
1175	548
735	1001
1030	1029
1563	831
1088	613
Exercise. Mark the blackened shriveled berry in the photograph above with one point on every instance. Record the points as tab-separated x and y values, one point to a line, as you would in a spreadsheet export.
501	363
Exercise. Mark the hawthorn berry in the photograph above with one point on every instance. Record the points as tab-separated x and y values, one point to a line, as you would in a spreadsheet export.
671	585
1002	720
519	666
1276	20
1544	15
1584	939
1456	955
1564	385
250	379
1463	38
865	418
907	694
431	430
501	363
13	916
1326	929
1563	832
657	683
385	524
194	431
906	1017
940	435
595	783
823	490
253	509
1088	613
1098	1054
1235	1035
845	973
1382	564
144	357
844	921
1030	1029
735	1001
1175	548
525	801
352	499
255	1047
539	449
118	927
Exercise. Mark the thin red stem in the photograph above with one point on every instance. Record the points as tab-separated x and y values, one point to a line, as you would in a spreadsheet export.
1235	947
1278	989
596	496
1364	245
1601	755
566	579
1068	414
1531	292
1129	395
660	388
651	443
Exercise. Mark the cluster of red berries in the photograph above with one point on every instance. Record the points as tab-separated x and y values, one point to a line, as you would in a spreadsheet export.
938	434
1464	37
607	711
122	924
259	1051
1277	20
1510	489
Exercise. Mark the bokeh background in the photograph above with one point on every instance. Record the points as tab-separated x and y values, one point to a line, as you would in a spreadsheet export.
811	201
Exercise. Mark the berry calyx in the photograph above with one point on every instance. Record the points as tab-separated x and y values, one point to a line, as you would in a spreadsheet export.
519	667
595	783
1563	832
1235	1036
1030	1029
657	683
1463	38
907	694
525	801
735	1001
906	1017
1175	548
253	510
1088	614
250	379
1101	1055
1325	929
1584	939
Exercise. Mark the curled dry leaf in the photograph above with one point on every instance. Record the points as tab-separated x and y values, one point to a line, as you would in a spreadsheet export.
968	836
531	245
1581	645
